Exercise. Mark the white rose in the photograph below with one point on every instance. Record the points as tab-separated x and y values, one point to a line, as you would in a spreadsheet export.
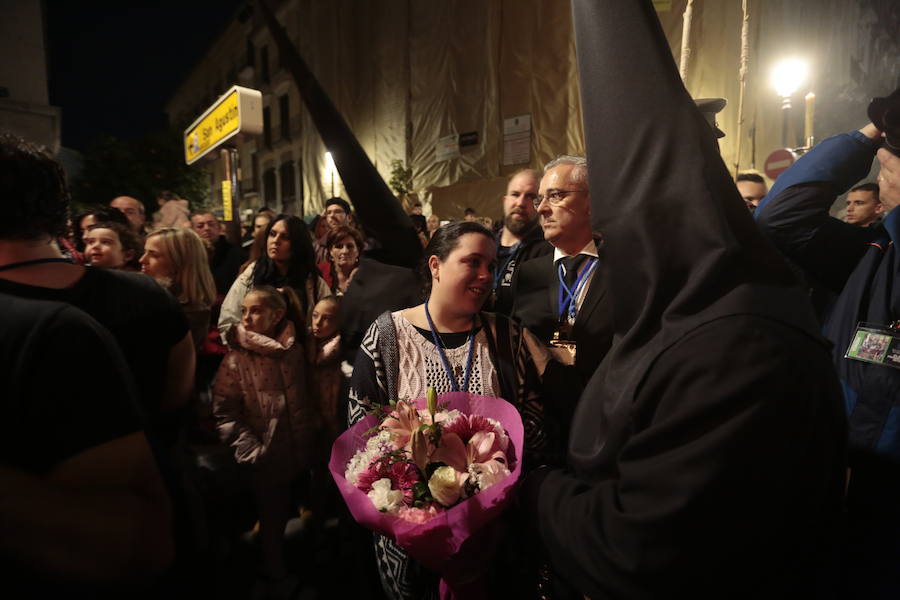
383	497
446	485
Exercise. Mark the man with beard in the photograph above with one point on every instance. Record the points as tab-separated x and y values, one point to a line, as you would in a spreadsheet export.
520	239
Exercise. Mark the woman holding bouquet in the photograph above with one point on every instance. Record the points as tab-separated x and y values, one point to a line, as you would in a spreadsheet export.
447	343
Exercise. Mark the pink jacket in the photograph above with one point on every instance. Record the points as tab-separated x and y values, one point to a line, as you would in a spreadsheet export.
324	358
261	403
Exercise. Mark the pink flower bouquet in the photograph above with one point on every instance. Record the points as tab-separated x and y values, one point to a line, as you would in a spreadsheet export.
430	476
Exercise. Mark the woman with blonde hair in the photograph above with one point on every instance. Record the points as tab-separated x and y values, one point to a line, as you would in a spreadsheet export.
178	261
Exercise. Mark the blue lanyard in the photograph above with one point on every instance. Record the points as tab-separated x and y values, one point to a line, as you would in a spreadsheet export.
501	271
568	299
454	384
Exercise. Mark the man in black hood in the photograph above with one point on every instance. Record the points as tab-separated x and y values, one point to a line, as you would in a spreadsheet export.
706	456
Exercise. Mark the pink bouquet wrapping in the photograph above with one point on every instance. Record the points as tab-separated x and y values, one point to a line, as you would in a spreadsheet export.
430	477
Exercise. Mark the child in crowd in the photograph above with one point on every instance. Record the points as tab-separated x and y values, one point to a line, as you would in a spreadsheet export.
112	246
264	412
323	354
324	360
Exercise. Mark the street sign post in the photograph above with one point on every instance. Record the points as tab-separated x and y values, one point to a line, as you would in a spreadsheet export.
237	112
235	115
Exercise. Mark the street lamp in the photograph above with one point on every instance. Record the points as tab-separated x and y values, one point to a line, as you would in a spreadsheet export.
787	76
329	163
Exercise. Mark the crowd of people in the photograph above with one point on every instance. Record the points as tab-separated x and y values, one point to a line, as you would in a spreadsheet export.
707	404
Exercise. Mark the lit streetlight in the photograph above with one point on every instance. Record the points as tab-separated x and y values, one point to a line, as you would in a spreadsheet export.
787	76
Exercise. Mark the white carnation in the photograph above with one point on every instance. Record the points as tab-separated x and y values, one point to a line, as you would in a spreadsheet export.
487	474
383	497
447	417
359	463
376	446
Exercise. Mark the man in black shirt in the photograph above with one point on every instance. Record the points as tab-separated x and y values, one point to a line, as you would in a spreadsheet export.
225	259
83	504
520	238
146	321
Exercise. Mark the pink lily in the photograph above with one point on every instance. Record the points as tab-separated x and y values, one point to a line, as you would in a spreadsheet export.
421	449
481	448
402	423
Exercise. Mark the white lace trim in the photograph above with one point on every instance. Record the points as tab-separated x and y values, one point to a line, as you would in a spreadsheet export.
420	364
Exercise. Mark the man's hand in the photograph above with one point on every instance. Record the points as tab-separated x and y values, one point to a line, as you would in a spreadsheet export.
889	179
872	132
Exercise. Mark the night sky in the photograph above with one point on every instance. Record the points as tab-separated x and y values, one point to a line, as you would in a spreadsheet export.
112	67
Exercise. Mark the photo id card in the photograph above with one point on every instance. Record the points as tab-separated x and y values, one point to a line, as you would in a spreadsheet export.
875	344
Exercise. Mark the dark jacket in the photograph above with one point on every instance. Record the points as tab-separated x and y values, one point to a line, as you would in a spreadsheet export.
861	266
375	288
536	308
225	262
531	246
857	263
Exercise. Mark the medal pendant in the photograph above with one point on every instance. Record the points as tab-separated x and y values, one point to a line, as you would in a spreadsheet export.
566	346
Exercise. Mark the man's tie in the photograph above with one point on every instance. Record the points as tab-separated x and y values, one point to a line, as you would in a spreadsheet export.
573	264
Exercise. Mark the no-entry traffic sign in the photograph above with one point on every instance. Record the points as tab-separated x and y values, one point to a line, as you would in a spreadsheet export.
778	162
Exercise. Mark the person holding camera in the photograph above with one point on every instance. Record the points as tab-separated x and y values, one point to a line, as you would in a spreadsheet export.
860	267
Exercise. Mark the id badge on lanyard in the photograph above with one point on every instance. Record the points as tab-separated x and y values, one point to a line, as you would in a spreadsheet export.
876	344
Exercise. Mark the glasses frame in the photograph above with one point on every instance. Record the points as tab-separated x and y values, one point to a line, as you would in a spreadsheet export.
554	197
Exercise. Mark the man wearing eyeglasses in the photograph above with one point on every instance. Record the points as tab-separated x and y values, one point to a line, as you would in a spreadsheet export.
133	209
558	296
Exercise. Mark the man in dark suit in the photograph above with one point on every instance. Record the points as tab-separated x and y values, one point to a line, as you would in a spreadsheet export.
559	296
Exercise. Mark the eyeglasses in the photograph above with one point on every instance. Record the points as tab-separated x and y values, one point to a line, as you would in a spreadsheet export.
554	196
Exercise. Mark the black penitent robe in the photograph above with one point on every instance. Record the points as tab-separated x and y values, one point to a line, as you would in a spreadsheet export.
706	456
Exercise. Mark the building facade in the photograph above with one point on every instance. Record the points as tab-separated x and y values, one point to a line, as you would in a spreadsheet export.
464	92
24	101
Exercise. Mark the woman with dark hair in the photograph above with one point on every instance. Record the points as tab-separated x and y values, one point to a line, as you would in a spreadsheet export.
258	238
343	245
447	343
287	262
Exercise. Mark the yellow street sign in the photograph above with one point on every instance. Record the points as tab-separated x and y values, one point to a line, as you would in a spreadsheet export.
237	111
226	200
